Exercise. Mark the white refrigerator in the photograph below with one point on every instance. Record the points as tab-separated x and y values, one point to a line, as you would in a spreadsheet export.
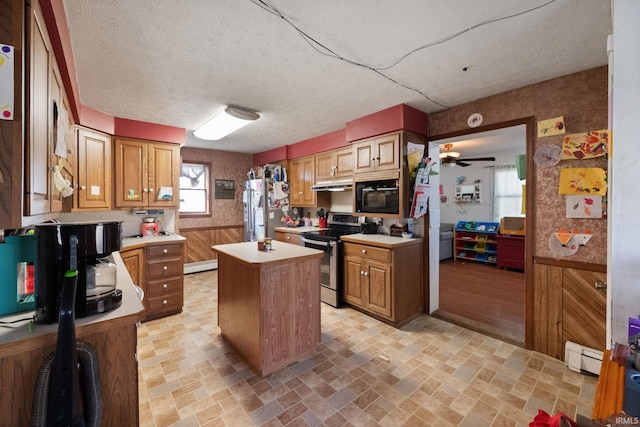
265	203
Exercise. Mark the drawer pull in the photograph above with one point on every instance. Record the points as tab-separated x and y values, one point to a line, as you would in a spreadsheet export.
288	237
165	302
165	250
364	251
165	286
600	285
165	268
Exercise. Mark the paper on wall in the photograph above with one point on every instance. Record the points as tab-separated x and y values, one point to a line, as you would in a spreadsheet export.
6	82
415	152
580	206
585	181
61	132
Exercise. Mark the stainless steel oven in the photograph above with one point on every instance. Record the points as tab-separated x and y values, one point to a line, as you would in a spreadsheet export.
328	241
328	269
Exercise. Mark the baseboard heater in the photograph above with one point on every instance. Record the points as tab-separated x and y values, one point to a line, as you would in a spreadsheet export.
195	267
582	359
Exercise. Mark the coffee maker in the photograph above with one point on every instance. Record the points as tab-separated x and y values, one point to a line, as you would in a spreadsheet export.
96	290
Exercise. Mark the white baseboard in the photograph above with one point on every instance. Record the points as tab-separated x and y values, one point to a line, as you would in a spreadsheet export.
196	267
580	358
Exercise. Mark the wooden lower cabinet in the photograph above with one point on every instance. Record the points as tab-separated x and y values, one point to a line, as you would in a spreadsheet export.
293	238
567	306
134	261
384	282
164	265
200	241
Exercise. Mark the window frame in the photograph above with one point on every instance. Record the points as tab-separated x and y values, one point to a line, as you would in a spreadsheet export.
207	172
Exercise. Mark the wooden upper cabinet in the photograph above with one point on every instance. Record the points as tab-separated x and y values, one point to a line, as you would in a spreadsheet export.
146	174
164	175
93	190
39	155
377	154
301	178
334	164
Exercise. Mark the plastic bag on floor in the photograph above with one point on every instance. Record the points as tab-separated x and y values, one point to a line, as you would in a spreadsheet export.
545	420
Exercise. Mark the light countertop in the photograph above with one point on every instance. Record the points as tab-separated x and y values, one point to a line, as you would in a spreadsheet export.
249	253
298	230
380	240
131	311
133	242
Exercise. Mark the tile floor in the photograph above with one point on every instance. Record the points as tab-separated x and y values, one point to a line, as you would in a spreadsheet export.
365	373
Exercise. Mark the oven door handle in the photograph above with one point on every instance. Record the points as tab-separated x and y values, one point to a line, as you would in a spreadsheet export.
328	245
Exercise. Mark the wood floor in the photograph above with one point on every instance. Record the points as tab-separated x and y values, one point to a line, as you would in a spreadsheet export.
484	298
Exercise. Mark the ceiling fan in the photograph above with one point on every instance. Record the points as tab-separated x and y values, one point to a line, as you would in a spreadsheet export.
451	158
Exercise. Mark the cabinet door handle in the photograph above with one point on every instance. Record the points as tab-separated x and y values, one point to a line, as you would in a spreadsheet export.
164	267
165	302
300	192
165	286
82	187
165	250
366	274
364	251
361	273
144	190
151	190
600	285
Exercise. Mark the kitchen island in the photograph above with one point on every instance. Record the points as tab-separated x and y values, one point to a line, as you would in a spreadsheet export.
269	302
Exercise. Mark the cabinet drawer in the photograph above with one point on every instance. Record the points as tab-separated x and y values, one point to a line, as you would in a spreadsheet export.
161	288
366	251
167	303
164	268
288	238
162	251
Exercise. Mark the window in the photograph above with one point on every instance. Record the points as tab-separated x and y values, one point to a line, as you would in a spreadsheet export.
194	189
507	192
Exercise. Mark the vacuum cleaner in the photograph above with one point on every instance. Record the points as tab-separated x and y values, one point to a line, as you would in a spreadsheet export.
68	391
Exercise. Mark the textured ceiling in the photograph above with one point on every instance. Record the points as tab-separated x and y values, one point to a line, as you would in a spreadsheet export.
178	63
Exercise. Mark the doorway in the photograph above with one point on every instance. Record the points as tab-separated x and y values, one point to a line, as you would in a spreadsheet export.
479	295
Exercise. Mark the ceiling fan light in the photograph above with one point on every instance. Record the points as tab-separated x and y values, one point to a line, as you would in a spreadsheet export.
453	154
449	164
224	123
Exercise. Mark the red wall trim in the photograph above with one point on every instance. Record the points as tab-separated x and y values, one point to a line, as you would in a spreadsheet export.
328	141
144	130
97	120
270	156
399	117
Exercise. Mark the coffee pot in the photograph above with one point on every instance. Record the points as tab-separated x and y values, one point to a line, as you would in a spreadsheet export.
96	290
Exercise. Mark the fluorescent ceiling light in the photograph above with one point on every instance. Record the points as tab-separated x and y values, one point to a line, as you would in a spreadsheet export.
227	121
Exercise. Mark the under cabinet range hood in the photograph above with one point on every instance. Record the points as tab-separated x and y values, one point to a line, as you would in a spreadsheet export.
335	185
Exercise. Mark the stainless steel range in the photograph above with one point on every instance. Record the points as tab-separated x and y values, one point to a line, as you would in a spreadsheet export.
328	240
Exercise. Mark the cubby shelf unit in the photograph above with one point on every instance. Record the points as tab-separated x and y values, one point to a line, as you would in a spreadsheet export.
476	241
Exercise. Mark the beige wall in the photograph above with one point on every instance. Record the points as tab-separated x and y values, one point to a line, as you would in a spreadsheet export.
224	165
582	99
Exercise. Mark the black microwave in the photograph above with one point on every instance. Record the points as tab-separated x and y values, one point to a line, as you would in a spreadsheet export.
380	196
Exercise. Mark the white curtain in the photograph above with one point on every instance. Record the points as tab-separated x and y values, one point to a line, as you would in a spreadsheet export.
507	192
